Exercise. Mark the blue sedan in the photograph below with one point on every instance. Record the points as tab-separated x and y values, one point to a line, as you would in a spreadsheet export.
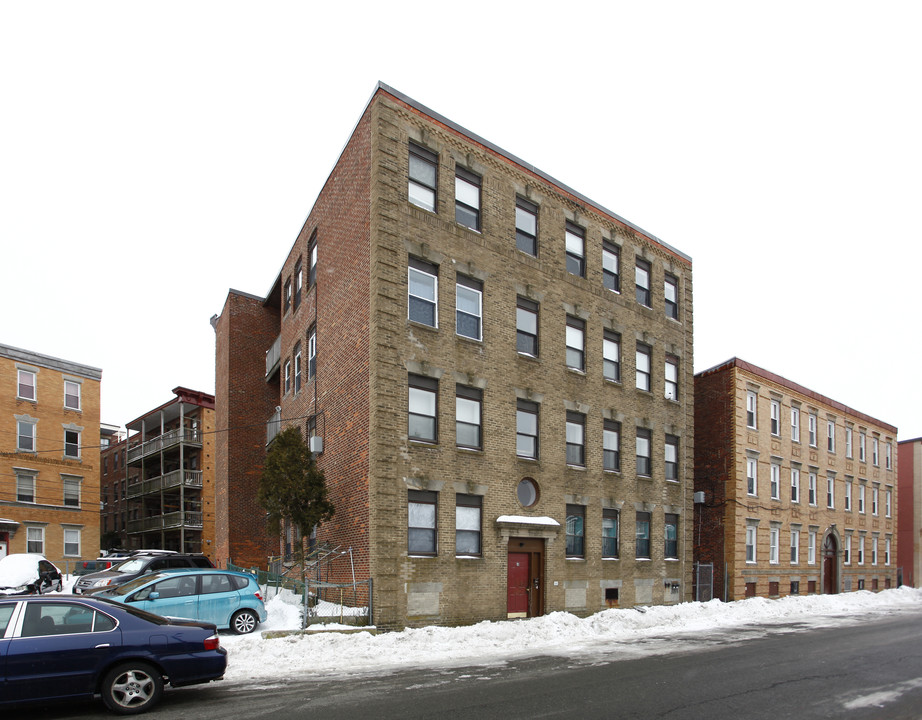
230	600
67	646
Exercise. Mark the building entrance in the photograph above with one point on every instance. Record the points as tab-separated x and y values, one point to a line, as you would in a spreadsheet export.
525	578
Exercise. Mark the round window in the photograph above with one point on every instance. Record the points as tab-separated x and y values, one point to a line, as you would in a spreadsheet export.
527	492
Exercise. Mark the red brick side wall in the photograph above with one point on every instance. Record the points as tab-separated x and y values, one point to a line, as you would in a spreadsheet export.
906	535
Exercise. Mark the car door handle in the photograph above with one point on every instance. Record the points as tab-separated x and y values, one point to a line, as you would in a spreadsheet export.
101	645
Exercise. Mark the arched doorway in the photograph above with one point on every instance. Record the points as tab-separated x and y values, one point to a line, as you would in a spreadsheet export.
830	565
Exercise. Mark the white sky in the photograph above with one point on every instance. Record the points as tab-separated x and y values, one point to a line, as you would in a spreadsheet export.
153	155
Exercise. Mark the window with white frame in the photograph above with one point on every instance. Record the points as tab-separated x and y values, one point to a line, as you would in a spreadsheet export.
576	343
752	469
848	494
830	490
671	454
526	327
811	488
72	444
576	438
423	179
775	481
526	429
72	394
468	307
671	294
287	376
575	241
312	260
422	303
862	447
750	543
35	540
888	456
642	282
861	549
71	490
422	408
875	492
644	459
886	551
311	353
611	356
25	486
888	500
526	226
831	436
811	547
848	442
468	511
611	446
874	550
468	420
643	363
25	434
847	550
795	485
299	283
467	198
611	266
875	452
672	377
297	367
751	409
26	385
71	542
795	424
774	539
795	546
861	488
775	417
811	429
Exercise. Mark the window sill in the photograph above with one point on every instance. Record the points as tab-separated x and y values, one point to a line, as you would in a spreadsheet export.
611	559
671	559
422	325
575	559
468	557
469	450
643	559
422	557
576	371
526	459
576	467
528	356
423	443
612	381
466	338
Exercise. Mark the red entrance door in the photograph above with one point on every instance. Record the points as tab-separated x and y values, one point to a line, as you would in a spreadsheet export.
519	577
830	566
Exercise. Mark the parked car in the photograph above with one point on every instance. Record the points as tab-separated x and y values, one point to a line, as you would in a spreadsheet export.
27	574
67	646
139	564
230	600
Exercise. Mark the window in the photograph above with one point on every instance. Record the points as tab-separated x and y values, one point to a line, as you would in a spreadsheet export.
775	419
576	438
672	378
795	546
71	542
71	395
467	524
830	491
422	304
644	466
750	543
671	537
297	367
889	456
611	356
287	376
576	249
848	495
526	327
468	407
311	353
671	454
26	385
888	500
671	293
422	406
774	536
526	226
886	551
861	549
642	536
312	260
875	452
861	488
874	550
643	364
831	436
610	523
421	525
72	444
468	307
35	540
775	481
576	343
299	283
71	491
527	492
751	409
862	447
423	177
25	435
795	424
213	584
611	266
576	531
526	429
288	295
811	488
795	485
847	551
811	547
811	429
642	282
467	199
848	443
752	466
875	492
25	487
611	446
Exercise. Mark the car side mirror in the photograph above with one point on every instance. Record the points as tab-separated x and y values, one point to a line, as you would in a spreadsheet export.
153	596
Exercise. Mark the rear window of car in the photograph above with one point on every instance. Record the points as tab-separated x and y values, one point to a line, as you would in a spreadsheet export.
6	612
201	562
240	583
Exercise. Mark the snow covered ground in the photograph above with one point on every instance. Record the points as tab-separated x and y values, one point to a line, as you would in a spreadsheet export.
614	633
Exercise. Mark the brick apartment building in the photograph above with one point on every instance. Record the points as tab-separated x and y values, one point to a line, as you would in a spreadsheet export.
909	515
163	476
113	492
799	491
474	349
49	456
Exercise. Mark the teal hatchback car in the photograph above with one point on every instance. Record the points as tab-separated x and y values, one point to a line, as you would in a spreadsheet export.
229	600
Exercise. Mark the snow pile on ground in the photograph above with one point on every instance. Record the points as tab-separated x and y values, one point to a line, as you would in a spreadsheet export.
624	632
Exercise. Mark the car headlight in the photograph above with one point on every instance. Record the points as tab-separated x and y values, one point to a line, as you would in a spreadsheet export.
104	581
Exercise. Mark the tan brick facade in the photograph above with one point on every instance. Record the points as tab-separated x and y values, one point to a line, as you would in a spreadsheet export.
49	456
368	233
800	491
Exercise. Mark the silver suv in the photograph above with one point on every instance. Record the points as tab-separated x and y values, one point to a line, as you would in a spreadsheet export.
140	563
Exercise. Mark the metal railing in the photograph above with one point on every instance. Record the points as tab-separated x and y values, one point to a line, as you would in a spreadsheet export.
188	478
273	356
187	518
164	441
273	426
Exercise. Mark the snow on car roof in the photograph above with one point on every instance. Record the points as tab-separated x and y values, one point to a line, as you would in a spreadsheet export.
19	569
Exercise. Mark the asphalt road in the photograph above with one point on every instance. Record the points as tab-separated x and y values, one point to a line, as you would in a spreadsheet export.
868	670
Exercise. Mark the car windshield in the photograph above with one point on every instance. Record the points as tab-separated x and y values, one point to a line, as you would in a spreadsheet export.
133	565
132	585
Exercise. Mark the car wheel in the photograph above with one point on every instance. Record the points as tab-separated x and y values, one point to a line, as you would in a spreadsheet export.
244	621
131	688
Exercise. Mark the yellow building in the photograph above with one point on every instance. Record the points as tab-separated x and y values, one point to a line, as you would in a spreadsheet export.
49	456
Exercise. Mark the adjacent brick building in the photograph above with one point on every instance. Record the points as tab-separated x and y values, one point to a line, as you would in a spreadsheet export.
113	490
795	493
49	456
474	349
909	516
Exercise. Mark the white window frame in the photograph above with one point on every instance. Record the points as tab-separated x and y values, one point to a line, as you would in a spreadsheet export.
31	530
71	481
875	451
811	547
861	549
811	489
752	477
431	283
22	423
78	444
466	292
775	418
888	502
795	546
671	375
575	333
862	447
831	436
848	495
775	481
311	354
888	456
831	492
795	485
751	544
795	424
861	497
874	541
25	478
811	429
848	443
77	392
847	551
875	497
774	540
72	531
886	551
752	410
20	373
643	367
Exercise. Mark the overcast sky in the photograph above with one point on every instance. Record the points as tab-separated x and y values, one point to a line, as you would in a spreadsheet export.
154	155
